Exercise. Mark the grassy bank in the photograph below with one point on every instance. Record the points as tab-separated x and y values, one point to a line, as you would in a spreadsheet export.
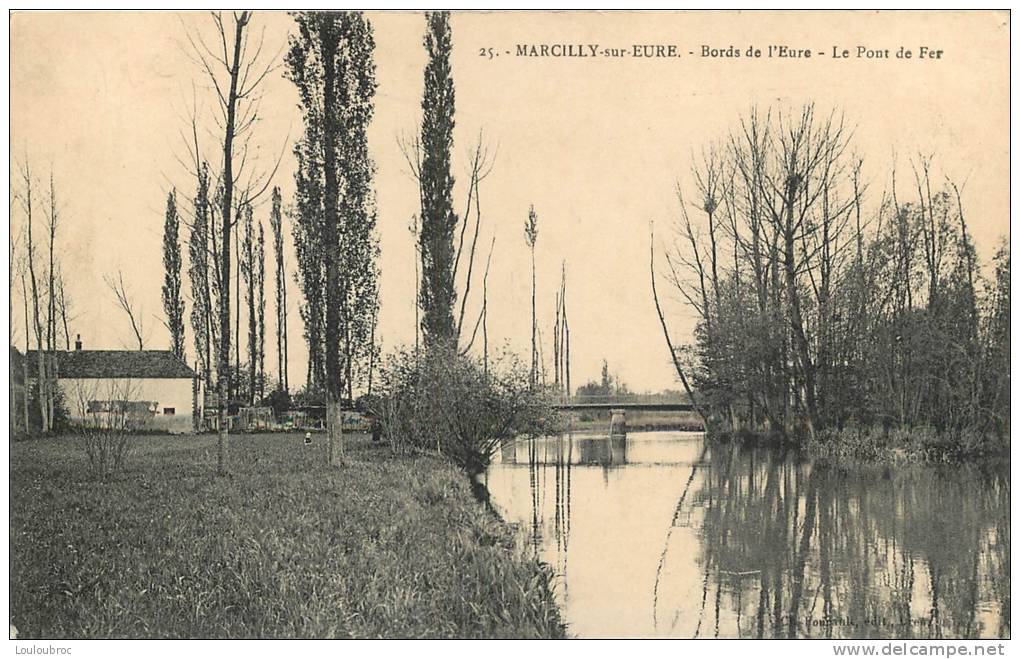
906	446
887	447
637	421
284	547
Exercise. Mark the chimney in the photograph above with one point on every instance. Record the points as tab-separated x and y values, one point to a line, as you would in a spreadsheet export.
77	343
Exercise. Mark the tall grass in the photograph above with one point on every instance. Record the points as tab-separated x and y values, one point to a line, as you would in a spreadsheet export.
284	547
920	445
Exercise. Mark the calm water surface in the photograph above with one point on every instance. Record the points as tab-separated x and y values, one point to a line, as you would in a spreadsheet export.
666	534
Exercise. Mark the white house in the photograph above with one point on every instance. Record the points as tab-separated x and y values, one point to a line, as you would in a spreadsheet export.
153	388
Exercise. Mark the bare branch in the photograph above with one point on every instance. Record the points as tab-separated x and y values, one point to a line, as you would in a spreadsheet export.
124	302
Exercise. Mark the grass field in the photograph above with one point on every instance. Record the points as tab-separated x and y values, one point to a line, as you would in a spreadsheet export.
284	547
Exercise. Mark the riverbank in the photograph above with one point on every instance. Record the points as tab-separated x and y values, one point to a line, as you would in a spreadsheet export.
900	446
389	546
637	421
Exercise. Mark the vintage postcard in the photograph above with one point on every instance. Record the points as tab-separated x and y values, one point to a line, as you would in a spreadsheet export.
747	374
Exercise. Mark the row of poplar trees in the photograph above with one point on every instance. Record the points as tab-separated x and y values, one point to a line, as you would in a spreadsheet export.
826	302
330	61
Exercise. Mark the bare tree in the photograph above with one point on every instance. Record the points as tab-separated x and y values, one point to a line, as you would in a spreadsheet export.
30	256
831	313
64	307
52	222
480	321
561	338
22	270
14	255
809	152
133	313
665	332
17	272
236	70
481	160
565	344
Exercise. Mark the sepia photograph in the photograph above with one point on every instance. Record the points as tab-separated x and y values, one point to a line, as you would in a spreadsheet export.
747	375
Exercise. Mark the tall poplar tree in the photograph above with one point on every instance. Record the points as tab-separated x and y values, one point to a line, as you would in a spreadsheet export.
260	294
173	303
202	325
330	62
438	220
249	272
276	224
530	237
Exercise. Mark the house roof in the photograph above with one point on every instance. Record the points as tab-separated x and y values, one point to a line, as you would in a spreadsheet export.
117	364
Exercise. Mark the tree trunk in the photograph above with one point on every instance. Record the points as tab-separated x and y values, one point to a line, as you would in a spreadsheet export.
556	346
28	339
236	380
334	384
15	417
41	390
801	347
41	366
566	332
223	377
485	329
669	343
534	324
25	393
253	351
286	365
371	343
51	388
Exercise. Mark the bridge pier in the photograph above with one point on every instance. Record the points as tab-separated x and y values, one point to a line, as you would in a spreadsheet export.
617	422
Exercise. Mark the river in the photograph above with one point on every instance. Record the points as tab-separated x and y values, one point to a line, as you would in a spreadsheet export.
665	534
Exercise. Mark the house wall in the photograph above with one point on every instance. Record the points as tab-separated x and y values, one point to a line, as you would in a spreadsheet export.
163	392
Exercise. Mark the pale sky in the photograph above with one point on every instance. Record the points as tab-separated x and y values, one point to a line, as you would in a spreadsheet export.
596	145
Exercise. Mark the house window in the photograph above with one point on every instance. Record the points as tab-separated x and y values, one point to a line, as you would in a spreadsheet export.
169	411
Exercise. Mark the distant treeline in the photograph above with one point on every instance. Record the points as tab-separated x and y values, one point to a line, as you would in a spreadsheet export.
825	304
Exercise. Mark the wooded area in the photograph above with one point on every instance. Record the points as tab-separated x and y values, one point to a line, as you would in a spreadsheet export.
824	301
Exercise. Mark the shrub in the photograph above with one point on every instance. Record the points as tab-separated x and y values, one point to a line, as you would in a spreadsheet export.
451	403
106	448
110	415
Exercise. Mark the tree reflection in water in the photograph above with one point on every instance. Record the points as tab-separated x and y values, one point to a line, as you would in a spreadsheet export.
669	535
791	549
556	453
